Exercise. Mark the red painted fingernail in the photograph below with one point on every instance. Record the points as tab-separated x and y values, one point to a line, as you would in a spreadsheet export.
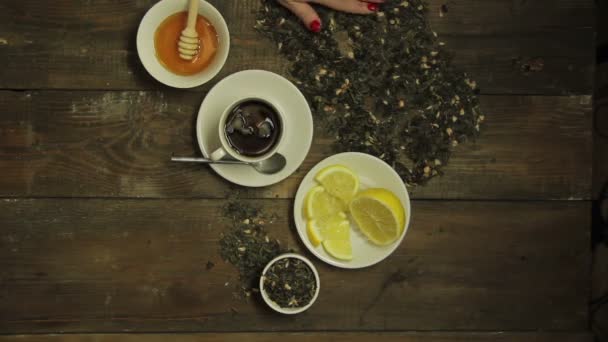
372	7
315	26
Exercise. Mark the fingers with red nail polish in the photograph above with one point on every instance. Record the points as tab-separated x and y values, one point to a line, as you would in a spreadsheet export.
307	14
351	6
315	26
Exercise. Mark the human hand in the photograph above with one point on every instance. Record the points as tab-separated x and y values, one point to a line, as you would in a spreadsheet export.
311	19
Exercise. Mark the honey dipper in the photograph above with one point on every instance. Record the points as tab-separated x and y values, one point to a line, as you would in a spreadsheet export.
189	44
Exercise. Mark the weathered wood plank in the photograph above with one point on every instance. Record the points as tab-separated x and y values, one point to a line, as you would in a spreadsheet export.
600	170
496	62
117	144
68	45
600	142
463	17
303	337
77	265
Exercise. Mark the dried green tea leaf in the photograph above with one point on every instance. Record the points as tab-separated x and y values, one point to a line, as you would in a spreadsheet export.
381	84
246	245
290	283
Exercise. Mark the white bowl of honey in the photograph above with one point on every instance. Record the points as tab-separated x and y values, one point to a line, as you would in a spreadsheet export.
157	38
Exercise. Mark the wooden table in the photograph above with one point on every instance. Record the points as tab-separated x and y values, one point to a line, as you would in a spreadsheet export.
100	234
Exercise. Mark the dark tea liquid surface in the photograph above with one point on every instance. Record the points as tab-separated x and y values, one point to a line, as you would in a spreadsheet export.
253	128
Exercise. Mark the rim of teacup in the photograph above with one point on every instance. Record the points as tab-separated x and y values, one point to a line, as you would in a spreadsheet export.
224	141
147	53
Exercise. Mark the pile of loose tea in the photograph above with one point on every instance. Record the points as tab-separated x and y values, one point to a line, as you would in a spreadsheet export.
290	283
381	84
246	244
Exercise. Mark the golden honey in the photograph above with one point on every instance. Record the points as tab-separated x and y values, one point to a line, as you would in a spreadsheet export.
166	39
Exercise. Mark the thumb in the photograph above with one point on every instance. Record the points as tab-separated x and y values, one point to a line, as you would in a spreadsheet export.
305	12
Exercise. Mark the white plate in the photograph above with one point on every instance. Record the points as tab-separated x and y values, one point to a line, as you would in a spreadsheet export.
298	130
147	53
373	173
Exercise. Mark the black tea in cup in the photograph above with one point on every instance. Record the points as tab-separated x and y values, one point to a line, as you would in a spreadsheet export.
253	128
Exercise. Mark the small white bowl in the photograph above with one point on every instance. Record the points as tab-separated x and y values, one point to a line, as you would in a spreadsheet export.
147	53
275	306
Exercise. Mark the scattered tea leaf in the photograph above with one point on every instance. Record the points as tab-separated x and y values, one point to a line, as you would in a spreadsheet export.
290	283
529	65
246	245
381	84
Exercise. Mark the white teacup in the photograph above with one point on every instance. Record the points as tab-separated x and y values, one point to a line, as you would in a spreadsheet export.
227	151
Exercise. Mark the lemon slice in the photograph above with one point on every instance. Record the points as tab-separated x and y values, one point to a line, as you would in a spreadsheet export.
320	204
379	215
339	181
331	227
334	233
339	249
314	233
331	221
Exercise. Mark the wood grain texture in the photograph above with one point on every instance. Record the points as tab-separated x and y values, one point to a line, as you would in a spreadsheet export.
303	337
134	260
70	45
117	144
600	170
97	265
600	142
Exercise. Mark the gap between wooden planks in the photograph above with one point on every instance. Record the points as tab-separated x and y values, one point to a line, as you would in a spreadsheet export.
74	265
67	45
319	336
118	144
489	59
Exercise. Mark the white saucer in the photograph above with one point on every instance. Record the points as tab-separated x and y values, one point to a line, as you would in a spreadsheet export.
257	83
373	173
